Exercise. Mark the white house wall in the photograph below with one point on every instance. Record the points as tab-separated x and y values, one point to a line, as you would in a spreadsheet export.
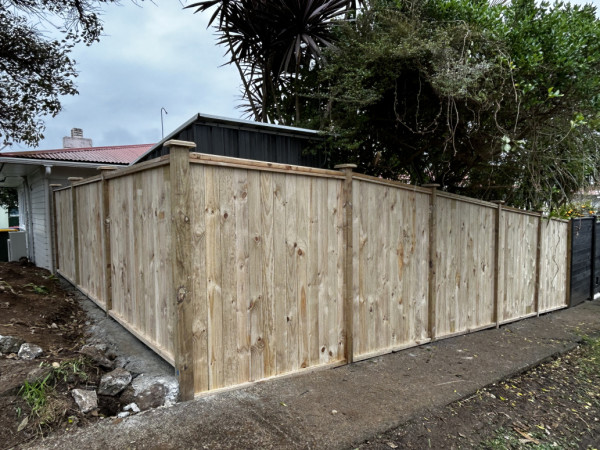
40	226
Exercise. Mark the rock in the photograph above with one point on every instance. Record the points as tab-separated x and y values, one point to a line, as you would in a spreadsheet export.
96	355
39	374
151	392
86	400
30	351
123	414
10	344
131	407
114	382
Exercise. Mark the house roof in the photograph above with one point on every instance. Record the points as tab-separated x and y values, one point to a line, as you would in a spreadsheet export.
119	154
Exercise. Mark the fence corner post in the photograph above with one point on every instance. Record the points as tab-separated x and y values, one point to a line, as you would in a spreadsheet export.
431	297
348	272
105	238
75	227
181	263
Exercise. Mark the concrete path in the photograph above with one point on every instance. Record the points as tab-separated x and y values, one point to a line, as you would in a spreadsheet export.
341	407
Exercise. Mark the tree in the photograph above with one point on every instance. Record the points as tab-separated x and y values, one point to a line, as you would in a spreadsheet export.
492	101
9	199
272	43
35	69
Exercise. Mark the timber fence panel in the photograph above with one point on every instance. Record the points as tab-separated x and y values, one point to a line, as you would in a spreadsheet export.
140	240
553	269
390	267
63	206
519	265
266	273
90	249
466	261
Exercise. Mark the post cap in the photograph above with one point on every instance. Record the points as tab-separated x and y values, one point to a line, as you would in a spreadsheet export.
431	185
345	166
499	202
178	143
107	168
73	179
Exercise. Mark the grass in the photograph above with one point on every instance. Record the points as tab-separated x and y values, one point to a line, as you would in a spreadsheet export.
37	289
36	394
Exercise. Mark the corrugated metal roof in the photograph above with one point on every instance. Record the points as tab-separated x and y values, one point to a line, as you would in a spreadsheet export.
119	154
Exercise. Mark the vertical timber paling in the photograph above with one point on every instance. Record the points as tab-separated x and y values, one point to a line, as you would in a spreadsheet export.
105	238
181	239
538	264
431	297
497	262
54	232
348	283
75	228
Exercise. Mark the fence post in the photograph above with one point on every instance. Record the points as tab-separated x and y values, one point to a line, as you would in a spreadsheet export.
538	264
497	236
53	233
431	297
348	280
75	228
105	226
569	261
181	263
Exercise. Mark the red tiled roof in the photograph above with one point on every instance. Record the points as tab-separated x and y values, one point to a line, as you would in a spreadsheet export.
119	154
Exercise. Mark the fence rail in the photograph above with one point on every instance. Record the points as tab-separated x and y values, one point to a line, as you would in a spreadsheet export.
235	271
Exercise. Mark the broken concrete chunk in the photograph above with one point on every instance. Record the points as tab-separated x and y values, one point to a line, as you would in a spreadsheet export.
30	351
151	392
10	344
86	400
131	407
114	382
96	355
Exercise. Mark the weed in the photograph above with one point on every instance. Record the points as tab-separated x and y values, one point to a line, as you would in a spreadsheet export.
37	289
4	283
72	367
36	394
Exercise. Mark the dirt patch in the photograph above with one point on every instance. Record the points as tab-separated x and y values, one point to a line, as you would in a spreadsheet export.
555	405
34	308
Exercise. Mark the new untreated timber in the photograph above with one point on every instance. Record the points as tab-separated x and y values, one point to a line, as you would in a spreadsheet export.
433	263
75	227
497	253
182	265
105	227
348	282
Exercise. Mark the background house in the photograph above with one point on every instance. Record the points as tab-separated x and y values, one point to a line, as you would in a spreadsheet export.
32	173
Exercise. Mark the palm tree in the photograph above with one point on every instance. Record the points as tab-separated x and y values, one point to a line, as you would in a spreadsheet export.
271	42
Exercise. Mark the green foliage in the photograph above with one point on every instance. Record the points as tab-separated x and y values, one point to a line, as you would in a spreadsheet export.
35	69
9	198
495	102
37	289
36	394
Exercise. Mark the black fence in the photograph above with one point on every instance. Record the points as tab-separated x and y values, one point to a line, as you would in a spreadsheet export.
585	259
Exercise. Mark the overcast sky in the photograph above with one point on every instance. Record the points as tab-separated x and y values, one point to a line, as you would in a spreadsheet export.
154	56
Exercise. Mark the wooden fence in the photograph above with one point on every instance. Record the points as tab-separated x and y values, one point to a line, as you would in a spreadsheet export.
237	270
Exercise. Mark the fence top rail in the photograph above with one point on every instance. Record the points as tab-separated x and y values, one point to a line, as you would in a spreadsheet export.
59	189
464	199
240	163
147	165
522	211
90	180
392	183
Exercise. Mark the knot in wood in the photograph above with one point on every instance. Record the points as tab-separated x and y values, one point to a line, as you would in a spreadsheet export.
186	219
181	294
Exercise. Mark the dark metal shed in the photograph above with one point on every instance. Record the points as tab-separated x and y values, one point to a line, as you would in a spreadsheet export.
244	139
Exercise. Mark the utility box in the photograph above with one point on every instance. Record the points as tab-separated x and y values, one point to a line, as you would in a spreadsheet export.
17	245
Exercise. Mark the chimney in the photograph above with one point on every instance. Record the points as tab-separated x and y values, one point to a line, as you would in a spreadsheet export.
76	140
